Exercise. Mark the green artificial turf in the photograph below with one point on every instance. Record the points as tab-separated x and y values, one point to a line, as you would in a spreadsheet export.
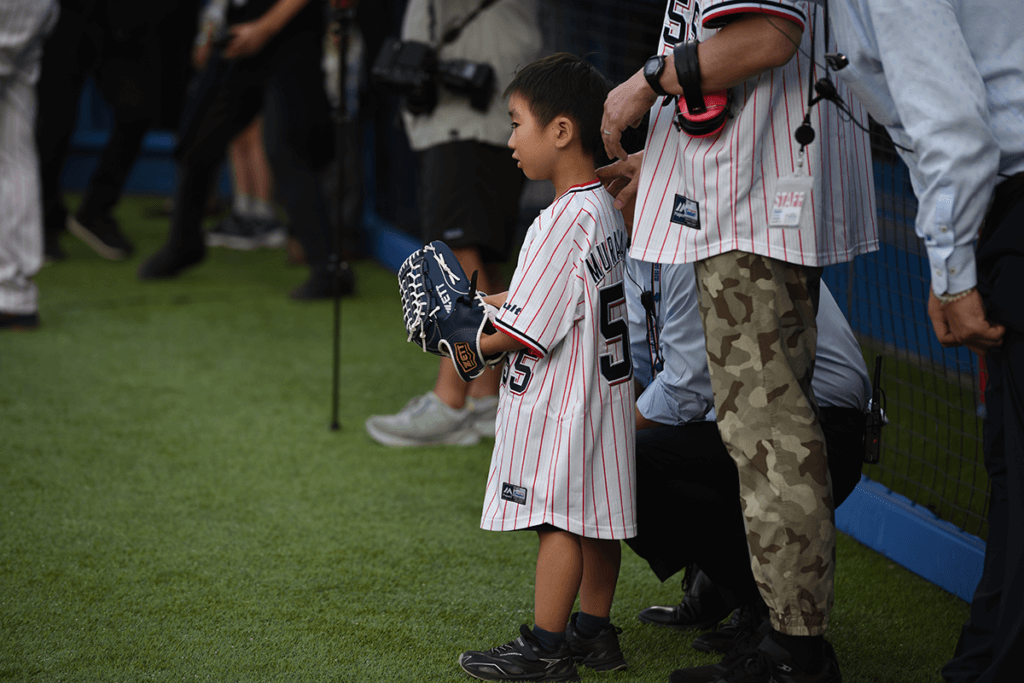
173	506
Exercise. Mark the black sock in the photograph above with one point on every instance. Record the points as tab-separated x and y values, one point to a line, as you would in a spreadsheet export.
549	640
807	652
588	626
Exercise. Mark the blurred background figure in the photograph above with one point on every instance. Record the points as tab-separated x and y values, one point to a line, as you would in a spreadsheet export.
23	25
123	45
469	186
267	60
252	221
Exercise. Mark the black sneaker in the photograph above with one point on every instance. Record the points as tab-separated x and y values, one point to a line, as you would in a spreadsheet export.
19	321
713	672
521	660
52	251
226	230
244	233
269	233
103	236
745	621
769	663
600	653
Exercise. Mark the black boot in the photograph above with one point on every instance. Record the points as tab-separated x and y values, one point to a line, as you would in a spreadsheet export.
171	260
745	621
702	607
321	283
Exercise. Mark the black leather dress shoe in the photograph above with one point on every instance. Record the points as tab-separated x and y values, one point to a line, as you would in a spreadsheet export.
321	283
170	261
703	606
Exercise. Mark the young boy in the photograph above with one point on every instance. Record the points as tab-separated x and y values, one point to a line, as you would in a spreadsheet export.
563	455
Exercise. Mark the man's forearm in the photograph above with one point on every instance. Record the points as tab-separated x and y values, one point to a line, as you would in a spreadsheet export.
643	423
748	46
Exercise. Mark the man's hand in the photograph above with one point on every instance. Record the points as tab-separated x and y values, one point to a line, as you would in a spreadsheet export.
621	179
625	106
963	323
247	39
200	55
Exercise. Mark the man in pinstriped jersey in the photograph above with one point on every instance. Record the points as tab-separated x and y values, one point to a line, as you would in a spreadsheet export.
759	216
23	25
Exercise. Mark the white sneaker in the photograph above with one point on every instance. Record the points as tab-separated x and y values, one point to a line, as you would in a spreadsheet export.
424	421
484	412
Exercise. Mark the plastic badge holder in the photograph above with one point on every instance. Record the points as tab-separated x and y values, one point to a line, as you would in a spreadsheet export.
792	195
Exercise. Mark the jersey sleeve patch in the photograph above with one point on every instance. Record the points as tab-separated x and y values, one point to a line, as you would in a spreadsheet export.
724	12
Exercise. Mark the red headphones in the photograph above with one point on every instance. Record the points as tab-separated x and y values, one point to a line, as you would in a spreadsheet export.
700	115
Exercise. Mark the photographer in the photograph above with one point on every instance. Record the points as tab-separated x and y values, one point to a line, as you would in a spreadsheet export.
469	185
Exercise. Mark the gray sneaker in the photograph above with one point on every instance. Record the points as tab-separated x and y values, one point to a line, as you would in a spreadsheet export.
424	421
484	412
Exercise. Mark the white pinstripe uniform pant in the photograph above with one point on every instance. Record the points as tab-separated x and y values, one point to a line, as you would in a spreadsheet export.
23	24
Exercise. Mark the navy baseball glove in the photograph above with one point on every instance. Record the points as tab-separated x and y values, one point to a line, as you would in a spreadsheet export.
443	311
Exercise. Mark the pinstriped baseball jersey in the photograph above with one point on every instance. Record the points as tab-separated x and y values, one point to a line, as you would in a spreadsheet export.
699	197
563	453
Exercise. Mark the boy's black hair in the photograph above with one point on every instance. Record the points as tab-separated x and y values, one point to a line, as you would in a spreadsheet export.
564	84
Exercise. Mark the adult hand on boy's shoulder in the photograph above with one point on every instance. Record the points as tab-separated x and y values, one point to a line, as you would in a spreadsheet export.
621	178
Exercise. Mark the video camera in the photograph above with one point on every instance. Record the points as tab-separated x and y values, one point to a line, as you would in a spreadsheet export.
413	70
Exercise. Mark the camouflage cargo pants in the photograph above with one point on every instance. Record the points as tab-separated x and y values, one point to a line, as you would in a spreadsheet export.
761	337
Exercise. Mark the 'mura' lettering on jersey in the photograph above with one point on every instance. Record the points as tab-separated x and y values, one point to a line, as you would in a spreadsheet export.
606	254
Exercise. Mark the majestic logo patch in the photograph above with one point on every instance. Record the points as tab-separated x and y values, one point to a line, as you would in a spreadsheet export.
464	356
513	494
686	212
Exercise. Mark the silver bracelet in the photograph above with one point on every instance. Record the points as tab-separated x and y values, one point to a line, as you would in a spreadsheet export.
950	298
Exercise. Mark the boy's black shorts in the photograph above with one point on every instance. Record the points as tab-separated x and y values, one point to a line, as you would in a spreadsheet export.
469	197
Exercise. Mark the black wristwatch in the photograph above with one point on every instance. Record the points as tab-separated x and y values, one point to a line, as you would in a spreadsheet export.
653	68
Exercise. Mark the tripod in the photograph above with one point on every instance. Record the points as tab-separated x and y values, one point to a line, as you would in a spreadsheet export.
342	15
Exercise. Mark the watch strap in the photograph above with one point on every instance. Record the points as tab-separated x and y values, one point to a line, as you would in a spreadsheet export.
688	73
654	77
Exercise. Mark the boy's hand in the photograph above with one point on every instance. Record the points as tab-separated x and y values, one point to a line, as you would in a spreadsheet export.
496	300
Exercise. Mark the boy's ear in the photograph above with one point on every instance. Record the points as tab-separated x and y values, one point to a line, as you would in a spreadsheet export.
564	130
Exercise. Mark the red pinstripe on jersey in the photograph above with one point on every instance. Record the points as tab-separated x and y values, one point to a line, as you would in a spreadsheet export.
565	430
733	176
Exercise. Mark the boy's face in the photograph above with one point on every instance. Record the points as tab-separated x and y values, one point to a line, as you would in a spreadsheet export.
531	144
